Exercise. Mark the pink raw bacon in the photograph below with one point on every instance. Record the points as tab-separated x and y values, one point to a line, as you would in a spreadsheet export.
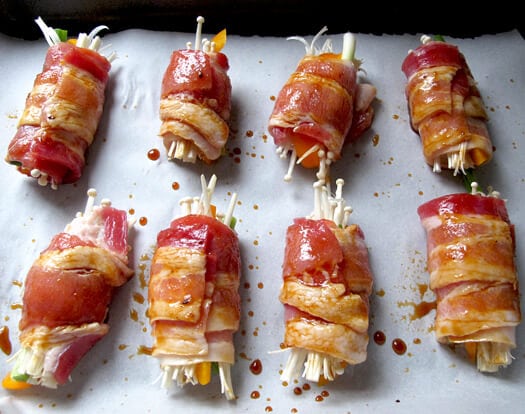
68	292
196	101
321	107
471	261
327	281
62	111
445	107
194	303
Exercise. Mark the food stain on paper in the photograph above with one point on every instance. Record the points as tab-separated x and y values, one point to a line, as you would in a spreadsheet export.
256	367
399	346
154	154
5	341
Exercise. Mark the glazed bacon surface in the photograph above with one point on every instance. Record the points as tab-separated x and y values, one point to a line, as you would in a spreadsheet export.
327	281
471	261
62	111
321	106
194	303
446	108
68	292
196	101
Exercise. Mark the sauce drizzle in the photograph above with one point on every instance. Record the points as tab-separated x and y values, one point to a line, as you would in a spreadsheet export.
256	367
5	342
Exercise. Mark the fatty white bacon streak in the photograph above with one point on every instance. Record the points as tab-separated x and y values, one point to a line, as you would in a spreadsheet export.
194	122
95	260
328	316
73	105
473	273
336	340
187	317
432	86
478	248
183	272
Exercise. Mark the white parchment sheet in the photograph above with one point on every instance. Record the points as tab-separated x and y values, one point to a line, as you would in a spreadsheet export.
386	179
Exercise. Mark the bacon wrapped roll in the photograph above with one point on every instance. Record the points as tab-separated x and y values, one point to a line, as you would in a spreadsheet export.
194	303
63	110
196	101
68	292
327	281
321	106
471	250
445	107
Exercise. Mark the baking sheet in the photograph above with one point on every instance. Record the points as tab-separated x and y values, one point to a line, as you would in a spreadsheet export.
385	177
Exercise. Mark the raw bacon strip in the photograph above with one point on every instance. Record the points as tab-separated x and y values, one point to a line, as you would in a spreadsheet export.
196	101
63	110
68	292
321	107
446	108
327	282
471	250
194	303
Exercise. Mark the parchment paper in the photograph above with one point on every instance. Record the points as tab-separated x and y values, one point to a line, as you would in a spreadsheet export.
386	179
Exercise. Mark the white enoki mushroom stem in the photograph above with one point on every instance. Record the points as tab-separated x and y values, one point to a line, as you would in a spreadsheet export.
91	193
43	178
182	149
437	166
424	39
457	160
187	374
325	159
310	47
314	365
329	207
208	46
291	165
171	149
226	380
282	150
292	369
200	44
229	213
185	205
206	194
490	191
491	356
88	41
474	188
198	32
202	204
348	52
